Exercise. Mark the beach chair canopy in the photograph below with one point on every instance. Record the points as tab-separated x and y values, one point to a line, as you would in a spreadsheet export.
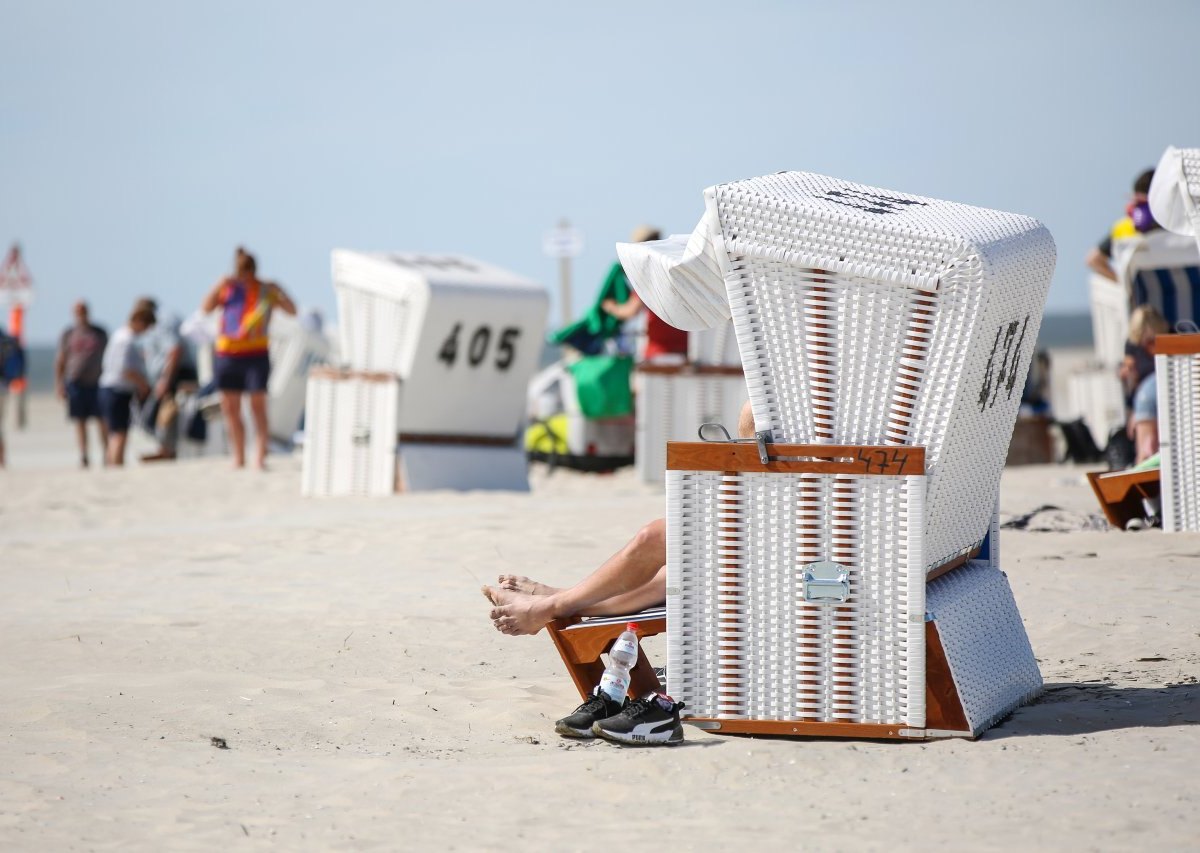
868	316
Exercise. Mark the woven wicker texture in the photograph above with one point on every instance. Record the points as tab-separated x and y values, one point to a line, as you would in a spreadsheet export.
1178	378
672	408
989	653
874	317
742	641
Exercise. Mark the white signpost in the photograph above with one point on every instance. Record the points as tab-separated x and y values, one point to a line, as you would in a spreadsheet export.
564	242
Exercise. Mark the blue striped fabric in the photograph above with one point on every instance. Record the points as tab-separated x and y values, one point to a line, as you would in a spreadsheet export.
1174	292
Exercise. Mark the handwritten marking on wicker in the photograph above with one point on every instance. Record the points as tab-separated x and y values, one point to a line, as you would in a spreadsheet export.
882	461
1008	345
477	347
870	202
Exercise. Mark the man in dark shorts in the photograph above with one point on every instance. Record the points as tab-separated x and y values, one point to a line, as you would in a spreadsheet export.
77	376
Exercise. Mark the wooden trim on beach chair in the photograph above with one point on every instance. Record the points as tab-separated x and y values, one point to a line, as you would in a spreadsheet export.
740	457
1177	345
581	646
1120	493
689	369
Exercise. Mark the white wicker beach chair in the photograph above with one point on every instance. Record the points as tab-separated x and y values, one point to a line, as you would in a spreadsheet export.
841	577
674	401
1177	359
1175	202
463	338
350	440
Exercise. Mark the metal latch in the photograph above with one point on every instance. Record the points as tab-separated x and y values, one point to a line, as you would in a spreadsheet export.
762	438
826	582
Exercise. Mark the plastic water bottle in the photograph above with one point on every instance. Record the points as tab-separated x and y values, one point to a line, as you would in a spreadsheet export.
624	654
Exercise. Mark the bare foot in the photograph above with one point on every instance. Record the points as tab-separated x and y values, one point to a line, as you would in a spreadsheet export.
516	613
520	583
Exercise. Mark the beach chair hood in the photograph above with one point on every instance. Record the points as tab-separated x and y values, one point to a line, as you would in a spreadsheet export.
1174	190
680	278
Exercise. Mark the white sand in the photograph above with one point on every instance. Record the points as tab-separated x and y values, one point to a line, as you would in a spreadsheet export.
341	649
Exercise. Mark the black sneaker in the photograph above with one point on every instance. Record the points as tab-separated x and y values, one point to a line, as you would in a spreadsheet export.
597	707
648	721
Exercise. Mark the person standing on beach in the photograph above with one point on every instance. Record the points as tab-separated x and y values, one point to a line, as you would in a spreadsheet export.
242	364
122	375
8	349
77	376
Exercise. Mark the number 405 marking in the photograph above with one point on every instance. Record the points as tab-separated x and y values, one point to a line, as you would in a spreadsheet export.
478	345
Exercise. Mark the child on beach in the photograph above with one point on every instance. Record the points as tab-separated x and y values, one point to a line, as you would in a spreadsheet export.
122	375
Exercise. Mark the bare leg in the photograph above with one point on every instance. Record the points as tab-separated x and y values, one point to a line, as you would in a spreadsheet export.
628	571
258	409
103	433
231	407
1145	439
81	436
116	448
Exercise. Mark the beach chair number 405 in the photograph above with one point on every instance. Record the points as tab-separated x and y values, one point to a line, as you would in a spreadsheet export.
477	347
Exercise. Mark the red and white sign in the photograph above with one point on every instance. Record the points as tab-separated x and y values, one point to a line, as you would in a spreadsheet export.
16	285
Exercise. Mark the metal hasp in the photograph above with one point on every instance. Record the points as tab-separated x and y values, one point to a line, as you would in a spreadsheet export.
826	582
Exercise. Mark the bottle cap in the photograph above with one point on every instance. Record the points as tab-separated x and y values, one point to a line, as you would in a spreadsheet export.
632	626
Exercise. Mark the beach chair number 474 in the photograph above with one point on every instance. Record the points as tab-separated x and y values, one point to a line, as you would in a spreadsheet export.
1007	344
477	346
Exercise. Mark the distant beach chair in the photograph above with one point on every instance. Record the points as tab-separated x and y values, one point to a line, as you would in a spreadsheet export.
461	339
1161	269
839	576
674	400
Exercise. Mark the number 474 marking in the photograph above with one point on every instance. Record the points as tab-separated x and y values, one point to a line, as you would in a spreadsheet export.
478	345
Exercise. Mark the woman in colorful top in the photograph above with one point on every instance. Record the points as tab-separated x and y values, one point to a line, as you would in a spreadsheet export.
242	361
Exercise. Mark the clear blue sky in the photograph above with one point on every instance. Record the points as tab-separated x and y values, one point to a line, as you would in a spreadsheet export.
141	141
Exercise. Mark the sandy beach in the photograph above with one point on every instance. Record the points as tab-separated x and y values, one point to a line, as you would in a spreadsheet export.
340	650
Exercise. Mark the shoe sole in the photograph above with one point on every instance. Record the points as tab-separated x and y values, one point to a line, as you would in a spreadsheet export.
566	731
675	737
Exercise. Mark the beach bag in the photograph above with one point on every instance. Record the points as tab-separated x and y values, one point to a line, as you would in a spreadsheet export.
602	385
1119	452
1081	447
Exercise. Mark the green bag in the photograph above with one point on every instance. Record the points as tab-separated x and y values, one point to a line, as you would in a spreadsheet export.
602	384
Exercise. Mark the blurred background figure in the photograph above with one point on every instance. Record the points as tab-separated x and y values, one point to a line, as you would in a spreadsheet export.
171	368
1137	220
122	376
242	363
77	367
1138	380
11	363
661	338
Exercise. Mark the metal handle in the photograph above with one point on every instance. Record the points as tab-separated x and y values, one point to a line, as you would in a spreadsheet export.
826	582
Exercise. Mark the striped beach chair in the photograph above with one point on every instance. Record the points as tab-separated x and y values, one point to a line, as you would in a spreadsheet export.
839	575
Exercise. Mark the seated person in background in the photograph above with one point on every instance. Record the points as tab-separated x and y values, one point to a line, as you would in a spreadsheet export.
1137	220
631	580
1137	378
